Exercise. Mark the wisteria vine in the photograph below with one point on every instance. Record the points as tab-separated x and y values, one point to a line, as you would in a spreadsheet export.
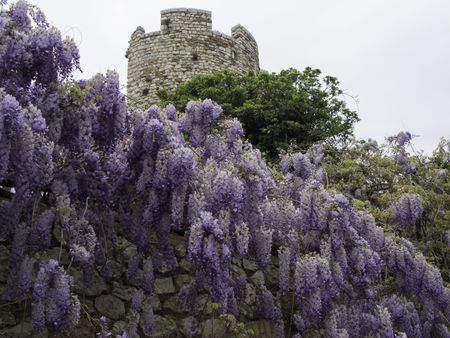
79	169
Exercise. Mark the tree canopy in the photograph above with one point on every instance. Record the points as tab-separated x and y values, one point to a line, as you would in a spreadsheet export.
288	110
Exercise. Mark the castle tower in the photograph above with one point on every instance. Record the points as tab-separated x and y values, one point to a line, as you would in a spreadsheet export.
185	45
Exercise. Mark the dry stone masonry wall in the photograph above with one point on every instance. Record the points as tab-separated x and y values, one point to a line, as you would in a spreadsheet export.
185	45
112	299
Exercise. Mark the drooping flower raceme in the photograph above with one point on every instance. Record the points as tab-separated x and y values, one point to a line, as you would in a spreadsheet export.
408	210
83	167
53	301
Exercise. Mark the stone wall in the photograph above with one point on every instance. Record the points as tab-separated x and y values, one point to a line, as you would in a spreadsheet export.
185	45
112	298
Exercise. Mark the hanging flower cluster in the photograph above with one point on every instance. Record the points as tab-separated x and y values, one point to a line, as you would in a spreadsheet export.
79	167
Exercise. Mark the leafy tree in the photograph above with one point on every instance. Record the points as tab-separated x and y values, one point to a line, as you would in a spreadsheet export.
291	109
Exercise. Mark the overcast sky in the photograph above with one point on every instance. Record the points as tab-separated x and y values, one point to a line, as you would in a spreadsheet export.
393	56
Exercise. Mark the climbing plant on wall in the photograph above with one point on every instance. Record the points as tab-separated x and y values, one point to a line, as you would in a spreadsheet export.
79	171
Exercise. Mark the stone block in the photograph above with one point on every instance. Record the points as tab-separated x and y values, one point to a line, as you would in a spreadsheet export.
165	327
249	265
110	306
98	284
258	277
214	328
164	285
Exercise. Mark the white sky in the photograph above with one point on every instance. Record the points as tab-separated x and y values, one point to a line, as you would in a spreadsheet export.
393	55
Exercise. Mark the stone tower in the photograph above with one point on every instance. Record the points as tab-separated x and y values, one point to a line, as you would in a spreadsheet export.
185	45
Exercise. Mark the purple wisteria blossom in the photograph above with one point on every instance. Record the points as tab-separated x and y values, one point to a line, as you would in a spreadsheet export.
408	210
104	326
148	277
52	296
41	230
284	269
79	172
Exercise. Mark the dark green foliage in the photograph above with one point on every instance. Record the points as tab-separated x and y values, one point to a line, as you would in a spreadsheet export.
291	109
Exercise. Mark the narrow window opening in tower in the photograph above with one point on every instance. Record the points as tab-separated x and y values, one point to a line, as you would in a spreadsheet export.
165	25
194	56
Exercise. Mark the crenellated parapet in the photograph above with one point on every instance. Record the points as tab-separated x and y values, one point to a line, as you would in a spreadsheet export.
185	45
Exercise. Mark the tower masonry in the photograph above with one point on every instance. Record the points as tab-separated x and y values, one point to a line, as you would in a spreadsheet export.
185	45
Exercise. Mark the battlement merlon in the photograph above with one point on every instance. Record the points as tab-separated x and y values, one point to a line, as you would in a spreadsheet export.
239	32
138	33
179	19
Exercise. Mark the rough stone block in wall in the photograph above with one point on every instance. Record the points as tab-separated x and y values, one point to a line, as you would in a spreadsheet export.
185	45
